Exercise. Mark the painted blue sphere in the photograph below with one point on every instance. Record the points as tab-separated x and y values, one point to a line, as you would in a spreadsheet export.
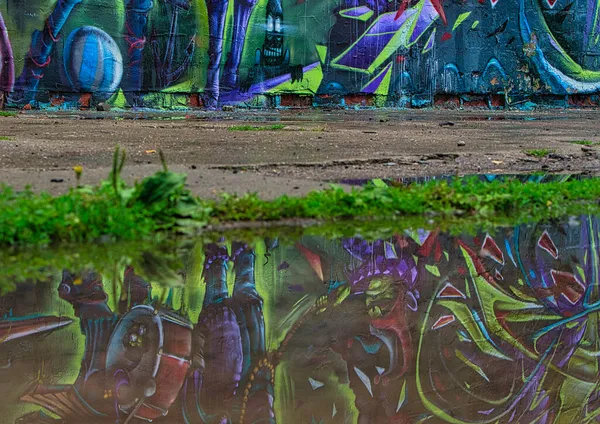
93	62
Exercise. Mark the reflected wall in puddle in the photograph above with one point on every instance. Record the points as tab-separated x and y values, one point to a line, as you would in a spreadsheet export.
421	327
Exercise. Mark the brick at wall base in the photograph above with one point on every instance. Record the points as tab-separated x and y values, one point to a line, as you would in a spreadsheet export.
497	101
295	100
475	102
343	101
359	100
583	100
56	99
448	101
85	101
195	100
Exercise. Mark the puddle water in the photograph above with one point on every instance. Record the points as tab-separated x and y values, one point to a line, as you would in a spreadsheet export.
500	326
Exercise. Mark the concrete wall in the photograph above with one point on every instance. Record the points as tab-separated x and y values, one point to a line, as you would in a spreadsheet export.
208	53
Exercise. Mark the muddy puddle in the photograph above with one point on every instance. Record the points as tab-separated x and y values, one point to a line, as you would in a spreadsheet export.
497	326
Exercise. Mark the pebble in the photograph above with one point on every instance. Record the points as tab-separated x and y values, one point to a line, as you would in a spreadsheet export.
461	143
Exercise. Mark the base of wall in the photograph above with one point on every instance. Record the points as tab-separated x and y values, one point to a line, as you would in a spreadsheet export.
183	101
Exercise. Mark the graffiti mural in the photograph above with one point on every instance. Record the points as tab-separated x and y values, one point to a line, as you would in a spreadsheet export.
496	327
208	53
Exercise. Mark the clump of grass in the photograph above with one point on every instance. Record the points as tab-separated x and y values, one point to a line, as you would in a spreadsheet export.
275	127
538	153
161	205
585	142
4	138
7	113
112	210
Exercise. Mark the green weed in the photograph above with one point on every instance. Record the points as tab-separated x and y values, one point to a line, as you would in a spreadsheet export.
7	113
4	138
160	205
275	127
585	142
538	153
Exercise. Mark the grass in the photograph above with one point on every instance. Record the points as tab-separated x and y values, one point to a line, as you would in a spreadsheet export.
4	138
7	113
538	153
160	206
275	127
159	262
315	129
585	142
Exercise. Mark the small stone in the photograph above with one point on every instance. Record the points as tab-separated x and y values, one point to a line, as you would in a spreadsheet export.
390	164
587	149
461	143
227	108
103	107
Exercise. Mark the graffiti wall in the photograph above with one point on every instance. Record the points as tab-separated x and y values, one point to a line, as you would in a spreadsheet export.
499	327
208	53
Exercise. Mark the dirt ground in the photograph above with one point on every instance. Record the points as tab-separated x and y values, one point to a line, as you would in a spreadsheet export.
313	148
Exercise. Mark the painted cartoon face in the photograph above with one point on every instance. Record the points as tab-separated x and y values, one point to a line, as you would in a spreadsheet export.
273	23
273	45
85	287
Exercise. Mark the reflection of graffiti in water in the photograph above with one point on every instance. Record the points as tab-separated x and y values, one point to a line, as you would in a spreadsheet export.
149	360
516	322
500	327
